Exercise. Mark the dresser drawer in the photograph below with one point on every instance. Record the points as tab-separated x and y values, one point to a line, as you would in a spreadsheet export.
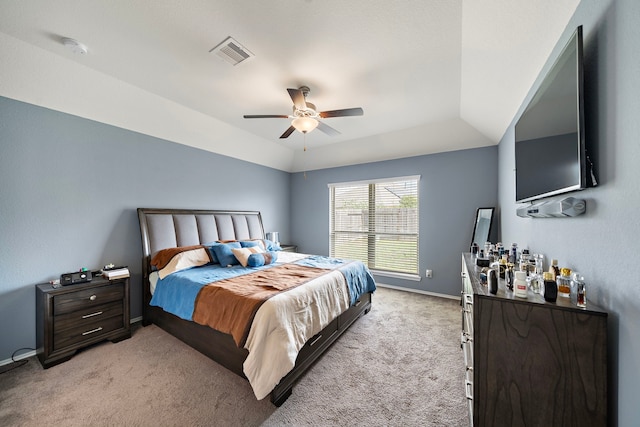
86	331
72	301
86	316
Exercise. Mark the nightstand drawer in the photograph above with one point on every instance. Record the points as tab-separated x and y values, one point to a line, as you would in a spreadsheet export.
69	302
86	331
86	315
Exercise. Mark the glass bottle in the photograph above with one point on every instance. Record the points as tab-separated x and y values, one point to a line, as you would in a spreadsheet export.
509	276
554	269
524	260
502	268
539	260
550	287
564	282
581	293
513	256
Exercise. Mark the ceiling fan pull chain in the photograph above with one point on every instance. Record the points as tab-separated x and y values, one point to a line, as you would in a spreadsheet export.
304	156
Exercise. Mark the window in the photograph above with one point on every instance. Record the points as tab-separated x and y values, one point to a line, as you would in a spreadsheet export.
376	222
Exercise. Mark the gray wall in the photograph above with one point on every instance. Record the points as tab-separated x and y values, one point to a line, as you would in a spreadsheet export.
69	189
600	244
452	186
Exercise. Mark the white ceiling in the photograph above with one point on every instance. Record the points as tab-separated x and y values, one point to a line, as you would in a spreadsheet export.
431	75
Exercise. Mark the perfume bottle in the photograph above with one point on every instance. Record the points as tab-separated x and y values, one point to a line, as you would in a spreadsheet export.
581	291
550	287
564	282
520	284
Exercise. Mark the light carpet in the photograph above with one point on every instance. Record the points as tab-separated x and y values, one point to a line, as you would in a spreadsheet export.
399	365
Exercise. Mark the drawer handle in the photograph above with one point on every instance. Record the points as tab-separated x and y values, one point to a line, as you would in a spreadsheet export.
469	389
315	341
97	313
92	331
93	297
357	303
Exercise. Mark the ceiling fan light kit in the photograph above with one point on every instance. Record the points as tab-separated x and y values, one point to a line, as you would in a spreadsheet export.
304	124
305	115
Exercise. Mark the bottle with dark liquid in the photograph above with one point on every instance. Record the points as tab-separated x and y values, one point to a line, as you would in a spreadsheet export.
550	287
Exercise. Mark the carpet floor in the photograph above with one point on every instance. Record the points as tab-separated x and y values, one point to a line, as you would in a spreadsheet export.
399	365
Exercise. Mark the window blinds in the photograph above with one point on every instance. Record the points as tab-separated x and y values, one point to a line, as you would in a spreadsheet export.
376	222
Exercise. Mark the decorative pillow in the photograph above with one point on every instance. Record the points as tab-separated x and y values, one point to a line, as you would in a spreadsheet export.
224	254
252	243
264	258
242	254
212	253
271	246
170	260
267	245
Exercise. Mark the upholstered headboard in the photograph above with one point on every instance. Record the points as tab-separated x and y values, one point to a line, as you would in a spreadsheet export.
170	228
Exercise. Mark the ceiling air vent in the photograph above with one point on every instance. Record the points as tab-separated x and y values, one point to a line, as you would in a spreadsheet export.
232	51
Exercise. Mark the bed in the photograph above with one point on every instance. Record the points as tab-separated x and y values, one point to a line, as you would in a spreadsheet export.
178	230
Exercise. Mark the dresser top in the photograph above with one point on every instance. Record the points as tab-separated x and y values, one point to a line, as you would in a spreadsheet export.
532	298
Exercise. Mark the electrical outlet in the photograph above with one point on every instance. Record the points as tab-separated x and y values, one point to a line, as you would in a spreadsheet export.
429	274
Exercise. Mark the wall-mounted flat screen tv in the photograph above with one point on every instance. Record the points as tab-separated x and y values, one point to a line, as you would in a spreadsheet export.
549	135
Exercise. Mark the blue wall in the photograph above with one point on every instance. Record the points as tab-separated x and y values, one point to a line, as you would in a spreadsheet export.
69	189
600	244
452	186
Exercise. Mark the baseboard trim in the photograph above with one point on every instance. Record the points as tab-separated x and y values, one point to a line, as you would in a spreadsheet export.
19	357
418	291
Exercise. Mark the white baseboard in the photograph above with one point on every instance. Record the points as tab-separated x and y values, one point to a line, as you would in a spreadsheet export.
418	291
19	357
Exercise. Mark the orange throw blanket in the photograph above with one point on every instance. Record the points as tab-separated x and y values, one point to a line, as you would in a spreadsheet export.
230	305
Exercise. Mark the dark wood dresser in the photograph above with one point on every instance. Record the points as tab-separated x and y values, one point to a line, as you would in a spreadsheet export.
72	317
529	362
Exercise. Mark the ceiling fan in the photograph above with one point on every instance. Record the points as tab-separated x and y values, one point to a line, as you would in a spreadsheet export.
305	116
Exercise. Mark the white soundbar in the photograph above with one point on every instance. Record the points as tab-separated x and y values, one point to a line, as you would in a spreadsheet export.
567	207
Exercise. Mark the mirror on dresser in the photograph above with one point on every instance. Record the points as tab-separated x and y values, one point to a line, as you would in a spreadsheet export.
482	226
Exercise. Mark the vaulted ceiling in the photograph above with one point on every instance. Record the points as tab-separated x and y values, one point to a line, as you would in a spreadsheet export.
431	75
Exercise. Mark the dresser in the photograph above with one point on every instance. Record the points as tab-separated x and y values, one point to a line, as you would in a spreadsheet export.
69	318
529	362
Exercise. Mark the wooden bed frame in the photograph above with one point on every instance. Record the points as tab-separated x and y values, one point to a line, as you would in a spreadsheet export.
166	228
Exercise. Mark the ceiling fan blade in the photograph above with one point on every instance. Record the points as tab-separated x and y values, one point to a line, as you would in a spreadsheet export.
298	98
287	132
265	116
342	113
327	129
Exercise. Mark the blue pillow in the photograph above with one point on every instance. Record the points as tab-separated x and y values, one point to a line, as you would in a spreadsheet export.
224	255
214	258
271	246
264	258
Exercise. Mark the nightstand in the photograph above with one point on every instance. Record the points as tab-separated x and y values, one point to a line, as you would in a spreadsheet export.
289	248
71	317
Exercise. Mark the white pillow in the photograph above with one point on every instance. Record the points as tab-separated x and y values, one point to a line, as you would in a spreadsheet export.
242	254
184	260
